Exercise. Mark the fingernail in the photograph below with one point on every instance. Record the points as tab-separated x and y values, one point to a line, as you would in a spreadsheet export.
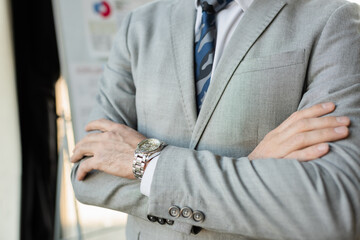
342	119
340	130
328	105
322	147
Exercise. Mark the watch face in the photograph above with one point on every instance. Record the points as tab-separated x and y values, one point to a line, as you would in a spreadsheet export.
149	145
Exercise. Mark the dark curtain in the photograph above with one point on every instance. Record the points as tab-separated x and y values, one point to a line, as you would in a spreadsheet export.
37	69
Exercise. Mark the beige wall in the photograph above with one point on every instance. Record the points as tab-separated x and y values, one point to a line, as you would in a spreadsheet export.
10	152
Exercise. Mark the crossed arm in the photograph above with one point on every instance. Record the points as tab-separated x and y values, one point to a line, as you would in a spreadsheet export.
111	152
303	136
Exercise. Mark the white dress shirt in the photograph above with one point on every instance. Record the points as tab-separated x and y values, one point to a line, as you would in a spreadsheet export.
226	22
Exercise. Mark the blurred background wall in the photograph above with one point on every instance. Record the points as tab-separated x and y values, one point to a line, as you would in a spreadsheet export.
10	151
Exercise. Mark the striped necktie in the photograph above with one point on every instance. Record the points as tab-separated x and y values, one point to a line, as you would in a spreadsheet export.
205	46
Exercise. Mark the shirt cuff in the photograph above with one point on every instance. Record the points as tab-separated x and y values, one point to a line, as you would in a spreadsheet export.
147	178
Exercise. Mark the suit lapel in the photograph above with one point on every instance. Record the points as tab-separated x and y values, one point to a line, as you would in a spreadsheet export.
182	34
254	22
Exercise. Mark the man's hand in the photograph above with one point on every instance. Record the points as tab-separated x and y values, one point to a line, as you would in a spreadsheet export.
111	151
304	135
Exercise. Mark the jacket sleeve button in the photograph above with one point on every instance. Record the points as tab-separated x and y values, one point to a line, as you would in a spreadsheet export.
198	216
161	221
174	211
169	222
152	218
186	212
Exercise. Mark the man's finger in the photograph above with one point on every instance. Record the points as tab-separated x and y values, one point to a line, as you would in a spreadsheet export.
311	124
315	111
84	150
84	168
103	125
78	157
90	137
310	153
307	139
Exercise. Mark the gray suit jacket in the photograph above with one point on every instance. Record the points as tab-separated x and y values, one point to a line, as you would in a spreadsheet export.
285	55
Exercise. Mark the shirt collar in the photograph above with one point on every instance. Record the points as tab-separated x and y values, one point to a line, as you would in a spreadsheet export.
244	4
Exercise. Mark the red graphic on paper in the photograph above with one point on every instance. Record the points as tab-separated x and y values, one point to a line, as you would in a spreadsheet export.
103	8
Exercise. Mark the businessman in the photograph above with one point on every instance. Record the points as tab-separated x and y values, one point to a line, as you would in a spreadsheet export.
248	104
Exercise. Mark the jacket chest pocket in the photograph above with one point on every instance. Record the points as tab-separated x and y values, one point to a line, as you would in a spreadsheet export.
275	81
261	94
272	62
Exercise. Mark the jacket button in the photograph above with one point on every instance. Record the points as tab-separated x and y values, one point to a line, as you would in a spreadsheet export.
198	216
186	212
169	222
174	211
161	221
152	218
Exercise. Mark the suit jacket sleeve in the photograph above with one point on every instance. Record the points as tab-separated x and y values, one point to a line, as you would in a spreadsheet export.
277	198
116	102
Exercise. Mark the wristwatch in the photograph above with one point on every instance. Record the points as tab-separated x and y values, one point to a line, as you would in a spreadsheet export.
145	151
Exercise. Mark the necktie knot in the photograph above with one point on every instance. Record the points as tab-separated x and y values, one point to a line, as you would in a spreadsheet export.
214	6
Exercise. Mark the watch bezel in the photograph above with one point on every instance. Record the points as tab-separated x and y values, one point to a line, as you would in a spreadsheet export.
142	149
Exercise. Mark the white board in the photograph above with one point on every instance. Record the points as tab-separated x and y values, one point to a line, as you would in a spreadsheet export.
85	32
